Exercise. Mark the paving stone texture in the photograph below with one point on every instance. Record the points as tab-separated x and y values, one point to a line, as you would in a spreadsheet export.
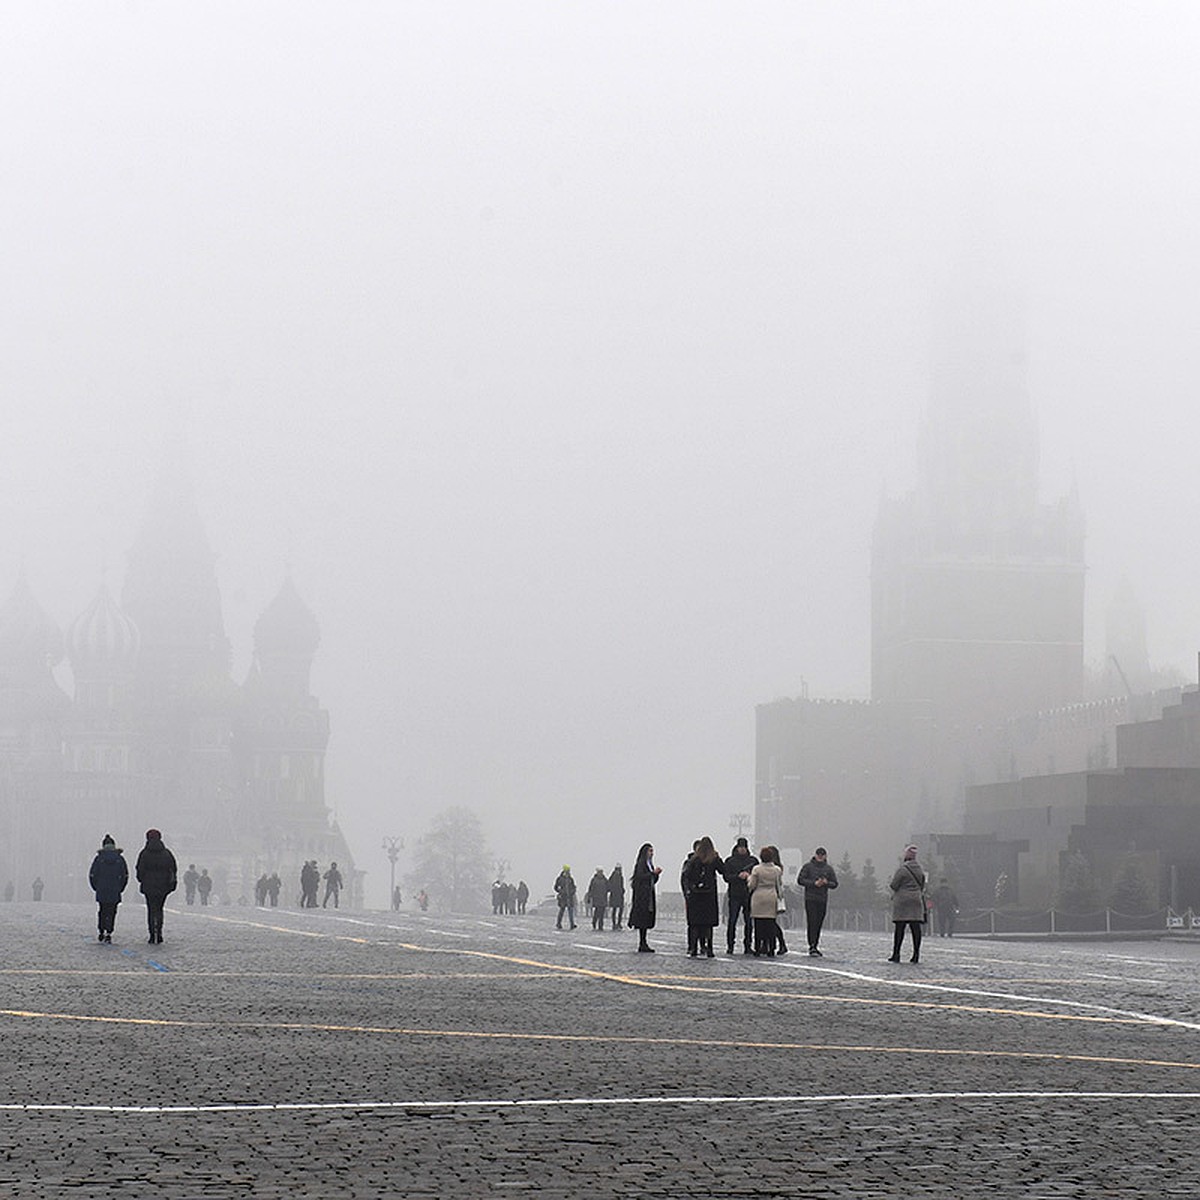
403	1041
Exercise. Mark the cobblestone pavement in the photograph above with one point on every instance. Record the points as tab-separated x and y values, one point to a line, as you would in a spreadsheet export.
272	1053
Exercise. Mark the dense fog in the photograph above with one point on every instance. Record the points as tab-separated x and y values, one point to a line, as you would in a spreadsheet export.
564	353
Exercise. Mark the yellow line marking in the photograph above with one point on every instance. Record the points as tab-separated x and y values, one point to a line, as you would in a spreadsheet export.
596	1039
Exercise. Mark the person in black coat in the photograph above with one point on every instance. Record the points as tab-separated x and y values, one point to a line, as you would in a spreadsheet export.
701	873
108	877
597	896
156	874
642	907
739	862
818	878
616	896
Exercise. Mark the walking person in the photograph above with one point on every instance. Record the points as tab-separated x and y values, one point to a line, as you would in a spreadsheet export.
190	879
738	866
642	905
818	878
204	886
765	884
333	885
702	871
108	877
616	896
597	895
564	889
156	875
908	904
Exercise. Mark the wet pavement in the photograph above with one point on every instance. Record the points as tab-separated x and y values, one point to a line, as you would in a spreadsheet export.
272	1053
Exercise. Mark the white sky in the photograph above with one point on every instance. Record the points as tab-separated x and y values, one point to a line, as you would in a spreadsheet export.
565	350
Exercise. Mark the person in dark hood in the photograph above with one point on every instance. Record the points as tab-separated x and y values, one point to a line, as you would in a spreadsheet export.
818	878
156	875
738	865
564	889
108	877
597	895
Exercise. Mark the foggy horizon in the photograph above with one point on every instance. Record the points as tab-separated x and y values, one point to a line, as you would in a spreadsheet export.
563	356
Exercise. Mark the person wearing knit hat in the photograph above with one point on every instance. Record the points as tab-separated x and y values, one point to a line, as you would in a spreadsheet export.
908	904
156	874
108	876
564	889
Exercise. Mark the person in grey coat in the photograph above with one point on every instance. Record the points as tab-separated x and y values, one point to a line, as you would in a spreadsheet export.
108	877
908	904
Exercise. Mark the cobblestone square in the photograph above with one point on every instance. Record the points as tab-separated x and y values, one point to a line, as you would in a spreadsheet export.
272	1053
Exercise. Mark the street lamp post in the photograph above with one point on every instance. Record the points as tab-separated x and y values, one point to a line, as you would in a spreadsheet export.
393	846
740	821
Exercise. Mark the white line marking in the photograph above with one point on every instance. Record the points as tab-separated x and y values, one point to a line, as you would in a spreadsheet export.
602	949
592	1102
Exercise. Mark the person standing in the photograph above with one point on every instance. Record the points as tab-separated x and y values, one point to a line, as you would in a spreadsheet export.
108	877
274	884
616	896
564	889
642	906
765	884
156	874
945	907
702	871
597	895
818	878
738	866
908	904
204	886
333	885
522	895
190	879
38	885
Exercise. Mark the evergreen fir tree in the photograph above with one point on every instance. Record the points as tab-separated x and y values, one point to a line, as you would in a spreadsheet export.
1131	891
848	886
1077	886
868	887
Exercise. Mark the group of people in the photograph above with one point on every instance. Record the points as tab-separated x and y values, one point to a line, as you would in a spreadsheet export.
509	899
267	889
754	897
605	896
197	885
310	883
155	871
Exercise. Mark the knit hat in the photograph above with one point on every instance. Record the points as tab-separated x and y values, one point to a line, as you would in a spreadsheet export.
741	842
910	852
152	835
108	840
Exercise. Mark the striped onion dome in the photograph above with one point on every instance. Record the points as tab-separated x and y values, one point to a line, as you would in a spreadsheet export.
102	637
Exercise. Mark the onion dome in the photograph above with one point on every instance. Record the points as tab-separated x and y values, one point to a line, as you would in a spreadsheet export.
287	626
29	640
102	638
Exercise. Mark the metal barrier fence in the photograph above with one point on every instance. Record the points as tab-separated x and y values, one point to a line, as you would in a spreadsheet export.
1008	920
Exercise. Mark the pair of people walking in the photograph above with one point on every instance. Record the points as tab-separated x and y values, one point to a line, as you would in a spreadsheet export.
156	875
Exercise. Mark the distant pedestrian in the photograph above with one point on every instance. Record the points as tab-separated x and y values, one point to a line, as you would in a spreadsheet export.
396	898
642	907
945	907
765	884
310	880
522	895
564	889
190	877
260	891
908	904
108	876
702	871
771	854
274	885
156	874
423	900
818	878
738	866
333	885
597	894
38	885
616	896
204	886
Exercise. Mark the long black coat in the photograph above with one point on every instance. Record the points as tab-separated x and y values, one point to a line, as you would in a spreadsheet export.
156	869
642	907
701	877
109	875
